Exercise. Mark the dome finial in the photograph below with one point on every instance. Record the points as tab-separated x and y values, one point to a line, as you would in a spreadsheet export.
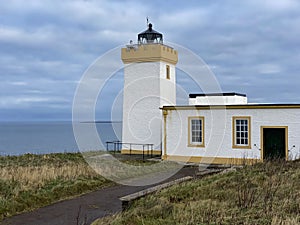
149	25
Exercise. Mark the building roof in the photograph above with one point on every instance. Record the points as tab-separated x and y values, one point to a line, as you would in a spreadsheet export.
241	106
216	94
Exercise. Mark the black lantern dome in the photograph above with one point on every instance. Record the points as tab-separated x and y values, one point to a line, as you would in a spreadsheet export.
150	36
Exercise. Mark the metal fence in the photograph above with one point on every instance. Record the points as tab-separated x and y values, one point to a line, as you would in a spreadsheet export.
116	146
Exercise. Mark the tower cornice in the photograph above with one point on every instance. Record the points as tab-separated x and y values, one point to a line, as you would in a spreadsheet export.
149	53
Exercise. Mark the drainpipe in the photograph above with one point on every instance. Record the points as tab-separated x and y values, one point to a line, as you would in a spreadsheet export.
165	113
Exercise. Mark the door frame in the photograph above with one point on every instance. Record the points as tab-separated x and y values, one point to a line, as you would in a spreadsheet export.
262	140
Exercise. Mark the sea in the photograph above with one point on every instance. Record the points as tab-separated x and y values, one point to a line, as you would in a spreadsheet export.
17	138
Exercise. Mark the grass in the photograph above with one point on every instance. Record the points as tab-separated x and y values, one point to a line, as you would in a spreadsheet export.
31	181
266	193
129	172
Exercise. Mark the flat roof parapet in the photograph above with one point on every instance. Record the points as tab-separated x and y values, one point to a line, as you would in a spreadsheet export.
217	94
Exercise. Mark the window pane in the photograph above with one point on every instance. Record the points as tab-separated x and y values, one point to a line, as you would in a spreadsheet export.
196	131
241	132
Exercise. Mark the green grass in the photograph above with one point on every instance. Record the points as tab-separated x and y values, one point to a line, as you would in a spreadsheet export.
266	193
31	181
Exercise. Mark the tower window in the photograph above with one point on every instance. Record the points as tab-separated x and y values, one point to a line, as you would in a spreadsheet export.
168	72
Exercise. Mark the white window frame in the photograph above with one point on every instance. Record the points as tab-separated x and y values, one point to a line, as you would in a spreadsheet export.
193	130
241	132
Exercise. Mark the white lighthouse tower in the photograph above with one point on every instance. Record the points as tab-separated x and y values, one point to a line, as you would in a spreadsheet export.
149	83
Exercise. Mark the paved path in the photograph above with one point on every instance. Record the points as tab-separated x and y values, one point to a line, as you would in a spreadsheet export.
87	207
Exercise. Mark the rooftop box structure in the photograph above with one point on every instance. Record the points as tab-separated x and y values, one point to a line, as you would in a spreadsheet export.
218	99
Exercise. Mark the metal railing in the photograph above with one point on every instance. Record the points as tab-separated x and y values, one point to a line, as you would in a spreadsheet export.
147	149
117	145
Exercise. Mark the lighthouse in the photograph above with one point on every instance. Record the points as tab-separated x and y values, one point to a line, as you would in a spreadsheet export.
149	84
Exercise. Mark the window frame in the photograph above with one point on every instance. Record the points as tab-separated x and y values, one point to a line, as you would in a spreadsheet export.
196	144
234	132
168	72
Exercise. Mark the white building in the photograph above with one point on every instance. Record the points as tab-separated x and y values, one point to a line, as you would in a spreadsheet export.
231	133
221	128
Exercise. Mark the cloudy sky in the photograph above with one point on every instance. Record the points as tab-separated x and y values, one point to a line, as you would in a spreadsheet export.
252	46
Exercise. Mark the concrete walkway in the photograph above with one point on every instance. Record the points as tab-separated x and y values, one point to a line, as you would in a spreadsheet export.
86	208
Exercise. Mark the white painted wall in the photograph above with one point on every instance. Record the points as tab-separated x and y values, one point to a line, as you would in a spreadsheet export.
146	89
218	131
218	100
167	87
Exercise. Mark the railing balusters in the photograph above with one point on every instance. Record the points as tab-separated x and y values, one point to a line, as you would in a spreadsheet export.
118	145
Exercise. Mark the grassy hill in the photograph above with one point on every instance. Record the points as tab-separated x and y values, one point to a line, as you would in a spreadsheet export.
266	193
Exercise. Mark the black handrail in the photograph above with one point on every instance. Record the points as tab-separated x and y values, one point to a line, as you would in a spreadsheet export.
118	144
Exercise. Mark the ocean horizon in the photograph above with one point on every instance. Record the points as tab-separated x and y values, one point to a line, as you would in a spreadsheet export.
45	137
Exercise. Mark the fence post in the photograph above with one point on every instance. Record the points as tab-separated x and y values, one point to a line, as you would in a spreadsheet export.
143	153
148	150
130	149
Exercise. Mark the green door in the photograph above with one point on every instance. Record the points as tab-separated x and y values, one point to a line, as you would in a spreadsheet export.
274	143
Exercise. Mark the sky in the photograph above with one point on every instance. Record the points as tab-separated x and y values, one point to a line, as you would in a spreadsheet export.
252	47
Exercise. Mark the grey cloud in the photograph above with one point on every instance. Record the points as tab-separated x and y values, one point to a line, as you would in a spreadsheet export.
47	45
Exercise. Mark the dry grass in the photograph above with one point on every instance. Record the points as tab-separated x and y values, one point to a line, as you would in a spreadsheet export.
31	181
130	172
266	193
31	177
